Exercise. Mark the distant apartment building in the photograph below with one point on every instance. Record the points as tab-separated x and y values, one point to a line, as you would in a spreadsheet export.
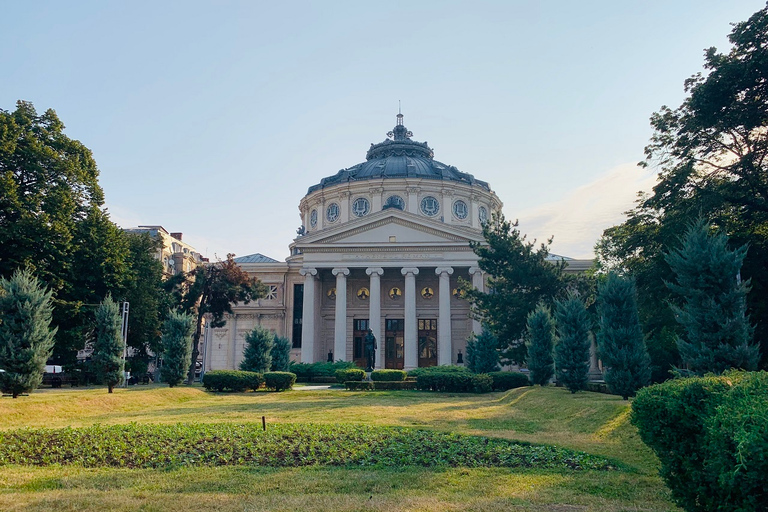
175	255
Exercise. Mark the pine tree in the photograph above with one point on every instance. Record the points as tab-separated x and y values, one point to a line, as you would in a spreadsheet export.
540	334
257	356
26	337
281	355
620	339
572	349
483	353
177	347
717	334
108	348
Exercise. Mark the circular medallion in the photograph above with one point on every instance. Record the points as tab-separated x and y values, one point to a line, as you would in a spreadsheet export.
460	210
313	218
427	292
394	202
482	214
430	206
363	293
395	293
331	293
332	212
361	207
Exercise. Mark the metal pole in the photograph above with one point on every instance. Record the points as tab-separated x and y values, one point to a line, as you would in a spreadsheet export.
126	307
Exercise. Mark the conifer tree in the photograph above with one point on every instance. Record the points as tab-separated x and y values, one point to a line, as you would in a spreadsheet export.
257	356
281	355
717	335
620	339
482	353
108	348
540	334
177	347
572	349
26	336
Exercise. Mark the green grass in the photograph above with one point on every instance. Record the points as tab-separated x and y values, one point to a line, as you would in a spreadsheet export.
589	422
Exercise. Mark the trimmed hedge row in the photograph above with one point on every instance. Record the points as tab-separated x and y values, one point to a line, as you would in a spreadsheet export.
232	380
346	374
308	372
279	381
457	379
711	436
503	381
388	375
381	385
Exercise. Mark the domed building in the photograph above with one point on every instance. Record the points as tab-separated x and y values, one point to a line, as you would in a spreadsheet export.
383	246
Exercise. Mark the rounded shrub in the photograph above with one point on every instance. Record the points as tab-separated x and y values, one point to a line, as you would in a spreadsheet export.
388	375
232	380
349	374
482	383
279	381
503	381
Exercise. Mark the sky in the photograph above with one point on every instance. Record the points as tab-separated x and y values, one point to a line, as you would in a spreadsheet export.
212	118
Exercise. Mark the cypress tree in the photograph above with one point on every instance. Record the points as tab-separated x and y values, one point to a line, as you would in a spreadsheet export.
26	336
572	349
257	356
108	349
281	355
177	347
717	335
540	331
482	353
620	339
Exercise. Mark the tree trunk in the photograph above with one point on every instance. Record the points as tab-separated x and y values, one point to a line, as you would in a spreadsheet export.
110	388
195	351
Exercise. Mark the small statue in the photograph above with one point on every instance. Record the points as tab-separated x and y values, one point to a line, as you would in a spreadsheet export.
301	231
370	350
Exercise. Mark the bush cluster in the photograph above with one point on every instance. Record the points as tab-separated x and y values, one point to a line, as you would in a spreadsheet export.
381	385
711	436
359	385
388	375
317	372
452	379
503	381
345	374
232	380
279	381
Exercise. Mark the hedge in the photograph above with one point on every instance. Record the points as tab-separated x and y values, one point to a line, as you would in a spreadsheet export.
439	369
447	379
359	385
279	381
711	436
503	381
381	385
309	372
388	375
346	374
232	380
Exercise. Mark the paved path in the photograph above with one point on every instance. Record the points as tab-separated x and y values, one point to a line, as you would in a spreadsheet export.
314	387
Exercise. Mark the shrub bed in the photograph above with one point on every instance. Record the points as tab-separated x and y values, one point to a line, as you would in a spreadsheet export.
357	385
319	372
346	374
388	375
232	380
225	444
711	436
452	379
386	385
279	381
503	381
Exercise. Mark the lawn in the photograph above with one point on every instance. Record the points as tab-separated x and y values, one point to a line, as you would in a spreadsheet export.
589	422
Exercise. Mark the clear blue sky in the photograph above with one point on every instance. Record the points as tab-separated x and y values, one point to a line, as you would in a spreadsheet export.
213	118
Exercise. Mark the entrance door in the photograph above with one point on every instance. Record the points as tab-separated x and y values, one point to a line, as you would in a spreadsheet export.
394	336
359	331
427	342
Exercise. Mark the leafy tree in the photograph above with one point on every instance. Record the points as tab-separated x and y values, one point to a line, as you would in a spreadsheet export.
26	336
177	347
257	356
540	341
483	353
717	335
281	355
519	278
572	349
211	290
109	347
620	338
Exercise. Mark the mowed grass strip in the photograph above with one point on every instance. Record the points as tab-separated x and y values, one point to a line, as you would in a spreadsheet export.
284	445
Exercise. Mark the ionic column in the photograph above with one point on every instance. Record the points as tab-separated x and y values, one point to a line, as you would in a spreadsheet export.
340	331
444	316
477	283
374	312
411	359
308	316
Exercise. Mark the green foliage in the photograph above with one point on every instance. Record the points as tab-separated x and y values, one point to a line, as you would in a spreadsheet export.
519	278
279	381
620	338
716	331
257	356
454	379
359	385
540	333
572	349
108	349
281	355
428	370
281	445
388	375
177	332
26	337
482	383
394	385
232	380
355	374
483	353
503	381
306	372
711	436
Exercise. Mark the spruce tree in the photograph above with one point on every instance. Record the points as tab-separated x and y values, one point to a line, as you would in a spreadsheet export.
620	339
572	349
717	335
257	356
483	353
108	348
540	334
26	336
177	347
281	355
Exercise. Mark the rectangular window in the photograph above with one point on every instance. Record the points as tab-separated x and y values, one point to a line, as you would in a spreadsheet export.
298	313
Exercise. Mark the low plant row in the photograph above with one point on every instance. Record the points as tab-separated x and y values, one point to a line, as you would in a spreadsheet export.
281	445
319	372
356	385
357	374
239	381
460	380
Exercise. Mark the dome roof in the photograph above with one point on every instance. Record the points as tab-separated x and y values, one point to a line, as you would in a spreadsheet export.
399	157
